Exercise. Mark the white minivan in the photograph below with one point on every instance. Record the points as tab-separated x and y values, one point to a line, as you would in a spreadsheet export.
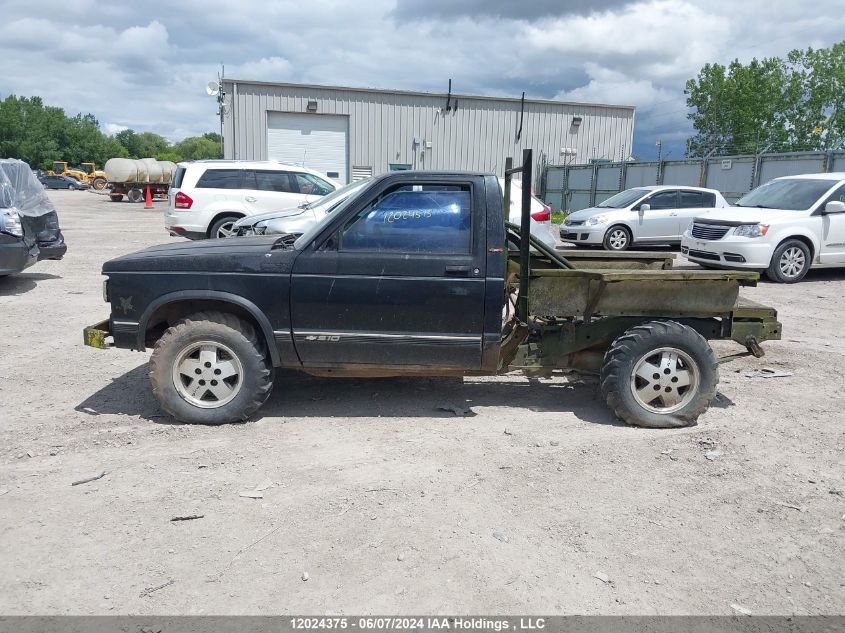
208	197
784	227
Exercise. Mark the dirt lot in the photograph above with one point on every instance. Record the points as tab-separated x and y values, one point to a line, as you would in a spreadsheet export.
393	506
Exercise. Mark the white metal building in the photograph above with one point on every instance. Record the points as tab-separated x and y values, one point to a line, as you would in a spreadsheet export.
351	133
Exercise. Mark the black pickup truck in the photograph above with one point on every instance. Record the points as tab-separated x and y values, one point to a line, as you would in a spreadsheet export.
419	274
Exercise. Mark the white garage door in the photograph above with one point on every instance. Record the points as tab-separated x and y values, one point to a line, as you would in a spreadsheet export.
316	141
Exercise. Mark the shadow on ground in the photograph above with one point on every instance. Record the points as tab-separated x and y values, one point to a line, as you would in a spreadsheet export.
21	283
297	395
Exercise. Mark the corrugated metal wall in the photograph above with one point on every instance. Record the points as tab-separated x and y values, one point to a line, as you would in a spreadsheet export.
478	135
575	187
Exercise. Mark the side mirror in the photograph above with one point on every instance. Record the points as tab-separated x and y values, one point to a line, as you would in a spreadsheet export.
834	206
644	207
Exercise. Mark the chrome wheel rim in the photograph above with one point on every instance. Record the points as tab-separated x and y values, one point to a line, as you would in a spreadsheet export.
207	374
226	230
618	239
665	380
792	262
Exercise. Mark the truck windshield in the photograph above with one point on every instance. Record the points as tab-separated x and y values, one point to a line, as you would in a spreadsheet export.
623	199
792	194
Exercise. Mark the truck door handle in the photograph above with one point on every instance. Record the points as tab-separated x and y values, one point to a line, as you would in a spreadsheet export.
250	199
457	271
673	213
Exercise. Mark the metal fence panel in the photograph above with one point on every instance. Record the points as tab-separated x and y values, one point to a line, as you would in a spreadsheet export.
775	167
571	187
580	177
641	175
730	176
555	179
554	199
681	173
608	178
579	200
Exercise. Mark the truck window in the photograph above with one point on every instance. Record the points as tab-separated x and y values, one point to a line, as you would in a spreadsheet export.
413	219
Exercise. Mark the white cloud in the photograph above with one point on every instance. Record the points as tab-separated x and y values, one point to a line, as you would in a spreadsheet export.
114	128
149	73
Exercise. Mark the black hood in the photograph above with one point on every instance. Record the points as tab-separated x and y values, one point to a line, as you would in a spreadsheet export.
237	254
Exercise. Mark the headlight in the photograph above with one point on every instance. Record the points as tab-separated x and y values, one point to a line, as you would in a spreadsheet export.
10	222
597	219
751	230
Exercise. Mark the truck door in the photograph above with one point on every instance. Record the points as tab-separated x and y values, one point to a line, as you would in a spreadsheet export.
399	282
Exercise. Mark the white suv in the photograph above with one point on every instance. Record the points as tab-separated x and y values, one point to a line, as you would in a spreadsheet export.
208	197
783	227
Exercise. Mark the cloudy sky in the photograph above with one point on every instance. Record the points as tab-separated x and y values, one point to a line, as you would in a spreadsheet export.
145	65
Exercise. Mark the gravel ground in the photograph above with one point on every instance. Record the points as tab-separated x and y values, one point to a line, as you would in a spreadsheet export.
539	501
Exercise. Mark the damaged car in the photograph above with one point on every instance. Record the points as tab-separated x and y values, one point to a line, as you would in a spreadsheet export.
29	225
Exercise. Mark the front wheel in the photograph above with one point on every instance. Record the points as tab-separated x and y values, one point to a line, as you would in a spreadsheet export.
659	375
790	262
210	368
71	187
617	238
99	183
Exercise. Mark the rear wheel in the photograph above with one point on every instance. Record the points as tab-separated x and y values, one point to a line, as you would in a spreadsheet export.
135	195
617	238
790	262
224	227
99	183
659	375
210	368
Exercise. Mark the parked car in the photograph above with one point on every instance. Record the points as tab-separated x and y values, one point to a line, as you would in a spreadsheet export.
784	227
643	215
297	220
63	182
29	226
206	198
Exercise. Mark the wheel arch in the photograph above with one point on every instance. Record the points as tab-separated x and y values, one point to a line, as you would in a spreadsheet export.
801	237
219	215
168	309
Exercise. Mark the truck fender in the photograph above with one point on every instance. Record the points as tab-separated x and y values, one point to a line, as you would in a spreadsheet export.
213	295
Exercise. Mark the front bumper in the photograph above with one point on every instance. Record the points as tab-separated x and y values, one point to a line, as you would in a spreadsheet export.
743	253
582	233
15	255
98	335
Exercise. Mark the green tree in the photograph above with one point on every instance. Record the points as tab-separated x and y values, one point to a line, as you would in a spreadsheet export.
199	147
783	105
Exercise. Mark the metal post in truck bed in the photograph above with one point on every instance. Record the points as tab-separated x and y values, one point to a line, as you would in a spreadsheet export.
524	226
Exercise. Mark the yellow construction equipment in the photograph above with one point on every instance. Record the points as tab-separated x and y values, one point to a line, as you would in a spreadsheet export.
87	172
